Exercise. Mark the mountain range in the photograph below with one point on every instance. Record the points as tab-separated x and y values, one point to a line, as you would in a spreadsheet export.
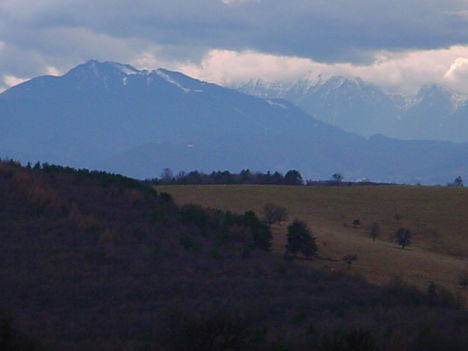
113	117
434	113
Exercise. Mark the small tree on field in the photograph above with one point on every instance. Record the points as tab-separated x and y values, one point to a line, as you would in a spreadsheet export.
374	231
403	237
273	214
300	239
349	259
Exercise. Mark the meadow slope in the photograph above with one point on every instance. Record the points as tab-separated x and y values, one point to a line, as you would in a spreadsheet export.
437	217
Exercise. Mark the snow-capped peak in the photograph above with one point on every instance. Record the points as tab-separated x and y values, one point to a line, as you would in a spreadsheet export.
103	69
337	82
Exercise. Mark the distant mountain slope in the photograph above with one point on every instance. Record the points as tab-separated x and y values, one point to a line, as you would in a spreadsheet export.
106	108
436	112
345	103
111	116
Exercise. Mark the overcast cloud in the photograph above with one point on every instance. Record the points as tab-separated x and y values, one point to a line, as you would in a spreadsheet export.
393	43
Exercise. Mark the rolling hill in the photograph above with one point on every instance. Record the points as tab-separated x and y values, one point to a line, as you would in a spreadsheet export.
435	215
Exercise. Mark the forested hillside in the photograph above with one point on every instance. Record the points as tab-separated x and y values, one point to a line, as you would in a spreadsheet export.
94	261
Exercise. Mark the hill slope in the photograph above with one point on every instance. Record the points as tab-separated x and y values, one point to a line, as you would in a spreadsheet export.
436	217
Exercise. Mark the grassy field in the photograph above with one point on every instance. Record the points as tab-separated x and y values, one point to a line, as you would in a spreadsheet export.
437	217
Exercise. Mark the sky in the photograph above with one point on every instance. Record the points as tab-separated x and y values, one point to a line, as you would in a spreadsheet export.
399	45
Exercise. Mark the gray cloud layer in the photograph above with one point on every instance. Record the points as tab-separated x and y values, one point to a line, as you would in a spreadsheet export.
61	33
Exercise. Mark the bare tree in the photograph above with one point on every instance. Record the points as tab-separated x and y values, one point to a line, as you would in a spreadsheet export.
403	237
273	214
167	175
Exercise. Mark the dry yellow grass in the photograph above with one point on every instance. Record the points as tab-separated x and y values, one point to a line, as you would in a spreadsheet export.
437	217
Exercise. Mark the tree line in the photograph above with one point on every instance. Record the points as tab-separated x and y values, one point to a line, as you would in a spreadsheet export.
246	176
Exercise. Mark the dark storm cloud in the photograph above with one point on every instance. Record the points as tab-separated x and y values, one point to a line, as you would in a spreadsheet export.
64	32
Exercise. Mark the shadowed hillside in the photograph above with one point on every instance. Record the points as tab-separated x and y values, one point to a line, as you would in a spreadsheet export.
94	261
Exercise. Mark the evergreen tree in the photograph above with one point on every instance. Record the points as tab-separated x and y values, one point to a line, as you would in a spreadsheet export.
261	234
300	239
293	177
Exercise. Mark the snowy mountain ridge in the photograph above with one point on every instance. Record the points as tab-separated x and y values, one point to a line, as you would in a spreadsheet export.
435	112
